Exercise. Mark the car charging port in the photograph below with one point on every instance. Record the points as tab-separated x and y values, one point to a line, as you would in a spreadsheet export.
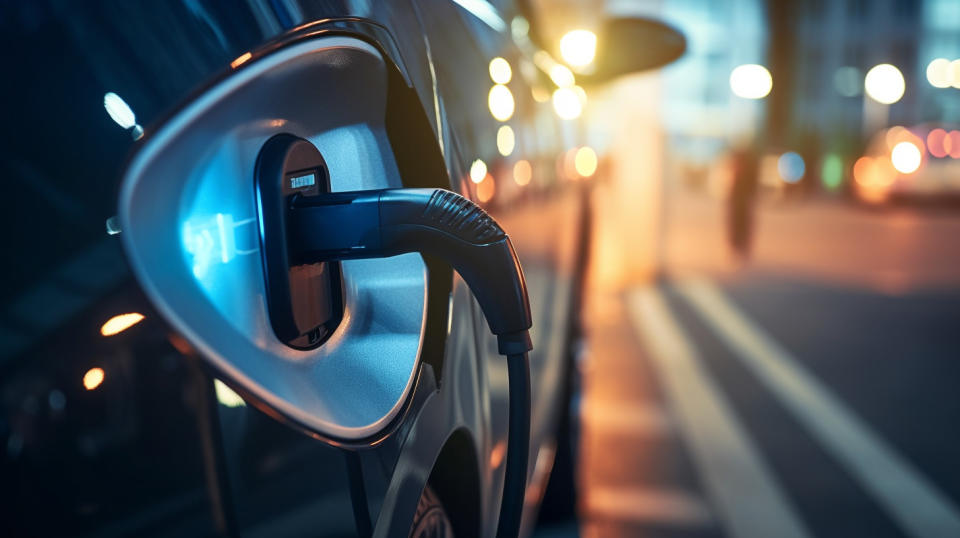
304	300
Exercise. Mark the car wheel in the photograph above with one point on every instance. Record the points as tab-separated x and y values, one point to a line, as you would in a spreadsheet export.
431	519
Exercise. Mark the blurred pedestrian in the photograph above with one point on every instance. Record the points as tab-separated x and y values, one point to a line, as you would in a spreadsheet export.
743	190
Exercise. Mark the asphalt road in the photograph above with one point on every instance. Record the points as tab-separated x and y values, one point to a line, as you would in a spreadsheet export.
812	391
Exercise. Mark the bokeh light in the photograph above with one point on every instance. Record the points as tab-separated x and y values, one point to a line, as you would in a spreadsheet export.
566	102
873	177
506	140
954	73
938	73
500	71
938	143
519	28
93	378
884	84
522	172
862	170
941	143
791	167
874	172
120	323
562	76
831	173
540	94
751	81
906	157
846	80
500	101
897	134
578	47
486	189
585	161
478	170
953	149
581	94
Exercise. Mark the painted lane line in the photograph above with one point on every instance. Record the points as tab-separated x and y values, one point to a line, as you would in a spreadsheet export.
748	500
650	506
919	507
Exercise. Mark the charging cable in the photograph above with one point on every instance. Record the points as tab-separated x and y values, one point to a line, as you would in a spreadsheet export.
382	223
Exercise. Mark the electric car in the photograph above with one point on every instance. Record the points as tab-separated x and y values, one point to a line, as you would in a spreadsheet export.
162	375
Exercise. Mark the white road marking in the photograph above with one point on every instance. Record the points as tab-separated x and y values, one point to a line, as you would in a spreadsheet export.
915	503
747	498
662	507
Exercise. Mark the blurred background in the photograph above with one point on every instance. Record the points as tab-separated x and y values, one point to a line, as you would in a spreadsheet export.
772	310
770	340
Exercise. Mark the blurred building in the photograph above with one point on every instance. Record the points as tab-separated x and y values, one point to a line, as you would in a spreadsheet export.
699	113
818	52
940	38
835	44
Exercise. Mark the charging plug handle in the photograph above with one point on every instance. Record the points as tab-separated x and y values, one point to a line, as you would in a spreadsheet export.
380	223
376	224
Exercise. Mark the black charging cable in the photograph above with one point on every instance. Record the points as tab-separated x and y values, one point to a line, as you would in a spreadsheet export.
382	223
518	446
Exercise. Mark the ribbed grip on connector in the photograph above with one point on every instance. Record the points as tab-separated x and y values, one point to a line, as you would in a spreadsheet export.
377	224
455	214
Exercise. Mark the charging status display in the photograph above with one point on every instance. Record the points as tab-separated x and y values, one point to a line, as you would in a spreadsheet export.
307	180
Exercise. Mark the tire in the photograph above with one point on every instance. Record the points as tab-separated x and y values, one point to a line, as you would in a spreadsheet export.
431	519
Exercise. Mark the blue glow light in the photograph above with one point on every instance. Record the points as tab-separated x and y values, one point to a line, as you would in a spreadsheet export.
791	167
209	240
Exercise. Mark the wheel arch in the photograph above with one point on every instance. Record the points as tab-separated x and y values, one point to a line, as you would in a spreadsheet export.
456	480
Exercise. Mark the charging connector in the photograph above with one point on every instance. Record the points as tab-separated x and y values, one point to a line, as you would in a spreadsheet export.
381	223
377	224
